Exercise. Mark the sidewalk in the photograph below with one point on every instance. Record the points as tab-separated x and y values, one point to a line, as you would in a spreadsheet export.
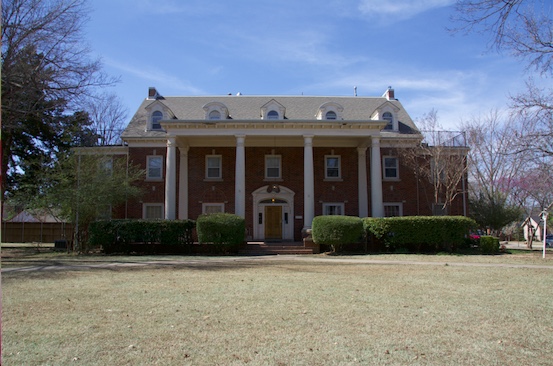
536	245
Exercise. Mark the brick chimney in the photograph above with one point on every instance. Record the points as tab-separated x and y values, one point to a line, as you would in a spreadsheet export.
389	93
152	93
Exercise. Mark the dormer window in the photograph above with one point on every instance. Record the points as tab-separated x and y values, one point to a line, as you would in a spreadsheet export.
213	115
330	115
215	111
273	110
330	111
157	116
387	112
387	116
272	115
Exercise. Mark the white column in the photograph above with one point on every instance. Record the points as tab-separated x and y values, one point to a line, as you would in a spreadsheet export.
376	179
240	177
171	179
183	183
308	182
362	182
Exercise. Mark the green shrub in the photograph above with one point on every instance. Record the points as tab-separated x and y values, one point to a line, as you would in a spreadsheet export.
489	244
336	231
419	233
116	236
221	229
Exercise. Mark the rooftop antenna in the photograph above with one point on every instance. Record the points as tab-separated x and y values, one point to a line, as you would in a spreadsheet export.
354	91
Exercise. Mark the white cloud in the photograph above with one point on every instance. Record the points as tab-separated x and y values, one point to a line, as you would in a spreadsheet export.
155	77
399	9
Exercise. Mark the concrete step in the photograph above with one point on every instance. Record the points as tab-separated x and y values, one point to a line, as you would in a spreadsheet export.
274	249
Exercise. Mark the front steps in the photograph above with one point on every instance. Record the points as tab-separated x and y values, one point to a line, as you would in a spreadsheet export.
274	248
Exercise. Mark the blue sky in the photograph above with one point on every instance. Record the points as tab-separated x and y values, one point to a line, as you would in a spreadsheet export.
294	47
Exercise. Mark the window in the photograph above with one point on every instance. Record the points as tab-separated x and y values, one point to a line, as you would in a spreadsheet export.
213	115
210	208
391	169
387	116
272	115
153	211
213	165
155	167
103	212
439	209
333	208
156	117
106	166
331	115
332	167
272	166
393	209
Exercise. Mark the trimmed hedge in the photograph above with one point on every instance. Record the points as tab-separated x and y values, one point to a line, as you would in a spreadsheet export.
337	231
418	233
117	236
222	229
489	244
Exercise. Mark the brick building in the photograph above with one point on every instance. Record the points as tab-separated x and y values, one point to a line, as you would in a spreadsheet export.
278	161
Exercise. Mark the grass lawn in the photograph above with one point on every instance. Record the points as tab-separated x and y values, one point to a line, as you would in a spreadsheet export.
222	311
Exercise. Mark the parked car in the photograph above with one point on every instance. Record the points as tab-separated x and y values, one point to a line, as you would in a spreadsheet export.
549	241
476	235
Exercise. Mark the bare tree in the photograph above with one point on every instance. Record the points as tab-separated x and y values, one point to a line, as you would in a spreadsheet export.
523	27
46	71
440	160
494	169
535	108
108	115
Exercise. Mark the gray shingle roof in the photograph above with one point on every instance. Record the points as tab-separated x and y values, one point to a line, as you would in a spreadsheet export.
249	108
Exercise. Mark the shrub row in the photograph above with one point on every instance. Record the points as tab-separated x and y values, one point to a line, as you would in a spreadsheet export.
226	231
489	244
407	234
117	236
337	231
418	233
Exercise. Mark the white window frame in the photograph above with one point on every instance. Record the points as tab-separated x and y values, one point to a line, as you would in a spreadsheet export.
213	207
399	205
154	121
150	176
331	115
390	119
146	206
207	167
385	168
439	210
214	115
339	158
273	115
327	206
267	157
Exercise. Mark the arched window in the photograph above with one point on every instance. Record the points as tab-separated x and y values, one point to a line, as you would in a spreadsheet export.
387	116
156	117
272	115
330	115
214	115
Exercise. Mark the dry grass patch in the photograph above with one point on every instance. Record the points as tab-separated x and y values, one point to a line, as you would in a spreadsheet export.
279	313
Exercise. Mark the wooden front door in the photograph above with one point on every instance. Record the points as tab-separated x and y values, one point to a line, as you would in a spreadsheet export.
273	222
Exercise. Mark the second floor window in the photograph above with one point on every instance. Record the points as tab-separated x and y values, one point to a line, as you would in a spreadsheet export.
391	168
332	167
213	167
155	167
272	166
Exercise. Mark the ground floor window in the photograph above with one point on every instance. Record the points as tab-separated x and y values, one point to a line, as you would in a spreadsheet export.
332	208
210	208
153	211
439	209
393	209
